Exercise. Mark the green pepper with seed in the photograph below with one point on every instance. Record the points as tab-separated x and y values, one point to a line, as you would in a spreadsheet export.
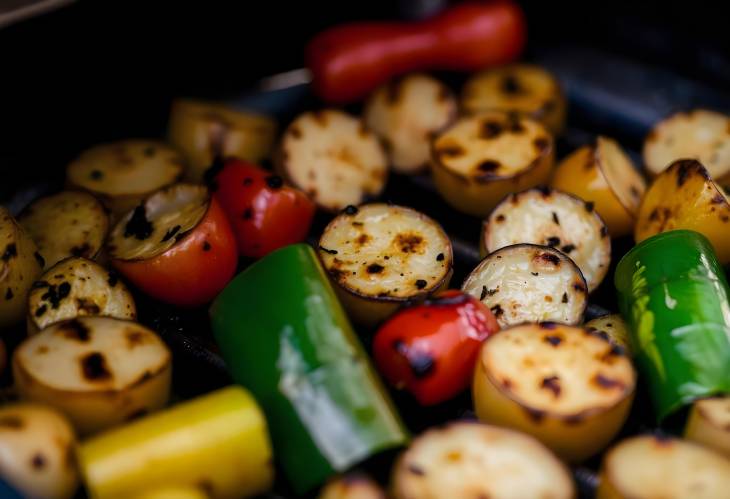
285	337
674	296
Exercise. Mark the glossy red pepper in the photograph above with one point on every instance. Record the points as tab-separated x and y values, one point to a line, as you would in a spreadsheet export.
431	349
264	213
349	61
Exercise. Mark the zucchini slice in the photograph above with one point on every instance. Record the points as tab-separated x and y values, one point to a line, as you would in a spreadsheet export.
522	88
37	446
380	256
470	459
569	388
99	371
648	467
121	174
480	159
552	218
699	134
709	423
334	158
529	283
70	223
613	328
77	287
405	114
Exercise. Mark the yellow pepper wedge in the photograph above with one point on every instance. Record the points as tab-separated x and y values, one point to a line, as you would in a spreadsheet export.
217	443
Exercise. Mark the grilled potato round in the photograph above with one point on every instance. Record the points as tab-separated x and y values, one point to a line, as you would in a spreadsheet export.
569	388
381	256
405	114
648	467
77	287
699	134
20	265
181	492
611	327
685	197
529	283
99	371
523	88
37	451
474	460
70	223
480	159
352	486
552	218
604	175
709	423
121	174
332	157
204	131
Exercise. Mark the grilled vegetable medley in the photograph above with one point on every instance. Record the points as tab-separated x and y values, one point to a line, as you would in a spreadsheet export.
366	347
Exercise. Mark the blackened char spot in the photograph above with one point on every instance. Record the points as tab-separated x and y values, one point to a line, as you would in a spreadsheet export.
94	368
96	175
421	363
447	300
82	250
440	257
553	241
56	294
38	462
535	414
350	210
549	258
565	298
11	251
138	226
490	129
40	310
511	86
579	287
604	231
607	383
9	294
554	340
329	251
420	283
41	261
75	330
551	383
170	233
541	144
683	170
556	219
274	181
546	192
206	246
497	310
488	166
87	306
39	285
500	218
374	268
589	206
567	248
483	294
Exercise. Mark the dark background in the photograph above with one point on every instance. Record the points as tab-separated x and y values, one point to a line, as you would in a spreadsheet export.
101	70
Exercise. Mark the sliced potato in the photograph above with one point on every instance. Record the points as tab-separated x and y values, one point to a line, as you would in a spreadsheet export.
77	287
381	256
522	88
37	446
352	486
709	423
181	492
649	467
121	174
70	223
20	265
464	460
604	174
405	114
613	328
699	134
569	388
552	218
480	159
206	130
334	158
99	371
529	283
685	197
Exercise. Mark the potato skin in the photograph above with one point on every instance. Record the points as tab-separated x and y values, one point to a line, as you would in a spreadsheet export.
613	328
709	424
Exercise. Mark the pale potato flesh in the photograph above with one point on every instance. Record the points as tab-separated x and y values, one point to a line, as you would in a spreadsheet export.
709	423
172	213
353	486
465	460
529	283
386	251
622	177
553	218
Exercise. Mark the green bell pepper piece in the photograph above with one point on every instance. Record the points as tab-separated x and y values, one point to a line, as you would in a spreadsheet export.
673	294
285	337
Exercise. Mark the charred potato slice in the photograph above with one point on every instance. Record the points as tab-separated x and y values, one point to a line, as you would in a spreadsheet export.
37	446
20	265
204	131
121	174
522	88
648	467
529	283
405	114
709	423
77	287
480	159
475	460
552	218
613	328
332	157
700	134
381	256
99	371
685	197
603	174
70	223
352	486
569	388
